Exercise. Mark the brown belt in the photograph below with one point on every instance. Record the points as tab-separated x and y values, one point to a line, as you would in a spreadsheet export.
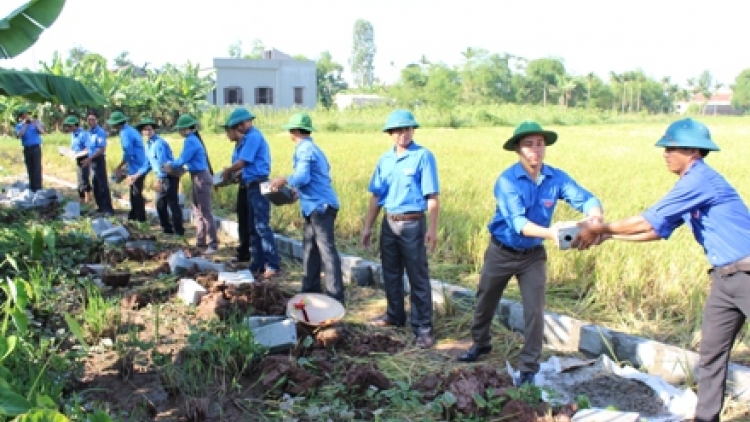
406	217
742	265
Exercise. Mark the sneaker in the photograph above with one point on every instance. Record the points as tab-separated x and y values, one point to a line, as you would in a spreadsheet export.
425	339
525	378
209	251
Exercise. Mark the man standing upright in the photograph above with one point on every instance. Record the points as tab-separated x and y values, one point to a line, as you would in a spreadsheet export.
405	183
312	182
30	132
97	161
134	156
253	157
79	141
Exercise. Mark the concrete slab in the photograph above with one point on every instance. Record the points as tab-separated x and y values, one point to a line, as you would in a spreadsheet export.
602	415
277	337
190	291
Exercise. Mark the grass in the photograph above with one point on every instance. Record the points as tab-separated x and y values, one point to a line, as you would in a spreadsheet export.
656	290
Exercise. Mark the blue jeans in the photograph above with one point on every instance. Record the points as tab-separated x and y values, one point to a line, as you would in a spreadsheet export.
402	248
262	242
319	252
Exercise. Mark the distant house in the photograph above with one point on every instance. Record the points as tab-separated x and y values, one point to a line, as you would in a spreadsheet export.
358	100
719	104
277	80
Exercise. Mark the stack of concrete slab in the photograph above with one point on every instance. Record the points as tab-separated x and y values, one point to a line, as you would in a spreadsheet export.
179	263
277	333
19	196
110	233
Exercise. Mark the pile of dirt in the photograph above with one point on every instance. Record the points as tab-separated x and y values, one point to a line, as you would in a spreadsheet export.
359	377
627	395
464	383
260	298
364	344
280	374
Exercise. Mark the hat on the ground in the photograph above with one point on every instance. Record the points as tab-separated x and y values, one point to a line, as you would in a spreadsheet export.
21	110
688	133
300	121
527	128
185	121
146	121
321	310
118	117
71	121
399	119
237	116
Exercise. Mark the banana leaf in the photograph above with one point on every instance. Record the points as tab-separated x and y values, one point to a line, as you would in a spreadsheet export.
22	27
40	87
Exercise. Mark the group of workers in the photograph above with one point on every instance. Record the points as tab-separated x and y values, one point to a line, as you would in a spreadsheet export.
405	184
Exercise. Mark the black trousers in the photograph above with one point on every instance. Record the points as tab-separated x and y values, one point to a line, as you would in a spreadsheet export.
101	184
727	308
32	157
319	253
84	179
167	200
243	228
137	202
402	248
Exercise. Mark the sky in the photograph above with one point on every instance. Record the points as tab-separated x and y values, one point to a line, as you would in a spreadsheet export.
672	38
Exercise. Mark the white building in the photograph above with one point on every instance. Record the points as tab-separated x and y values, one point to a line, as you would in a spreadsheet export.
358	100
277	80
719	103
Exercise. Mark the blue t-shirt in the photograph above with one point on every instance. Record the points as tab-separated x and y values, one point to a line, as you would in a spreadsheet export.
521	200
97	140
403	182
312	178
719	219
31	137
133	152
158	153
79	140
253	150
193	155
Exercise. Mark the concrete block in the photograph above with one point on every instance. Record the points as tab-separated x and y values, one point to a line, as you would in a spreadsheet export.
260	321
118	231
673	364
72	210
348	262
283	245
23	204
206	265
187	215
145	245
181	199
98	268
50	194
178	262
239	277
602	415
100	225
278	336
231	228
514	312
190	291
297	250
442	291
595	340
115	240
562	332
738	382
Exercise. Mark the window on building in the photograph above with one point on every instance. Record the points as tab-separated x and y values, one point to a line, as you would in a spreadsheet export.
263	95
299	95
233	95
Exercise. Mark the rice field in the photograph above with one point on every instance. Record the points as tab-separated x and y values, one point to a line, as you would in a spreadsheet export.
655	290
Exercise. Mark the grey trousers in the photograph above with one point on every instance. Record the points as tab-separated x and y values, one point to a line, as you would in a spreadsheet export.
530	269
319	253
727	308
402	248
205	224
32	157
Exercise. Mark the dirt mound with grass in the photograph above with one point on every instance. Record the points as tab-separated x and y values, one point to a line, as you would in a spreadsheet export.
260	298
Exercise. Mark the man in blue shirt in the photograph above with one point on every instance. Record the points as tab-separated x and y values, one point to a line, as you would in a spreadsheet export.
526	194
166	186
79	140
311	182
134	156
720	222
253	157
30	132
405	183
97	162
241	207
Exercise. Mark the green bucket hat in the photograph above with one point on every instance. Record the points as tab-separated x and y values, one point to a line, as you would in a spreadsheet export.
118	117
688	133
71	121
146	121
399	119
237	116
300	121
529	128
22	110
185	121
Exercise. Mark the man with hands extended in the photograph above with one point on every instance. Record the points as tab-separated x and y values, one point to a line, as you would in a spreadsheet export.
720	222
526	195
